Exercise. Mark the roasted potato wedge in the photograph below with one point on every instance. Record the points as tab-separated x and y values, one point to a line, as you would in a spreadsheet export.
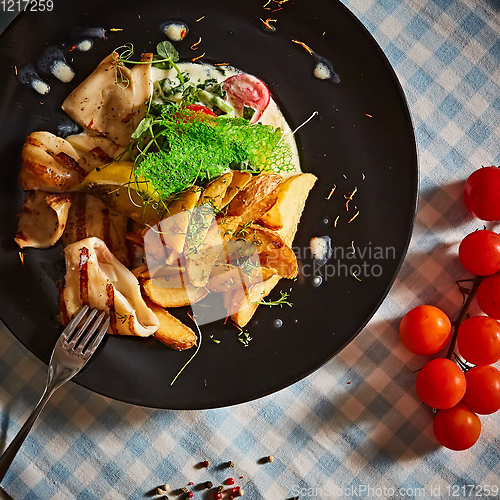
172	332
172	274
201	257
158	290
273	251
173	229
256	198
244	305
139	271
292	197
239	181
224	278
216	191
272	219
228	277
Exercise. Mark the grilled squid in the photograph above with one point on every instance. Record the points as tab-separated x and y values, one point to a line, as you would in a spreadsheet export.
49	163
42	219
95	277
111	101
88	217
94	150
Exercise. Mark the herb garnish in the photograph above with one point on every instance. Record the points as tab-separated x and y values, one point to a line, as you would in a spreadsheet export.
280	302
165	58
243	337
177	147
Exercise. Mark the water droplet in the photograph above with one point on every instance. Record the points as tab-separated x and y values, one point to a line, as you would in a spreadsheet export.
317	280
325	221
278	323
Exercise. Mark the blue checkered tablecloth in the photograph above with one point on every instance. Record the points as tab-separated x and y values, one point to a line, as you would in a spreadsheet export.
356	426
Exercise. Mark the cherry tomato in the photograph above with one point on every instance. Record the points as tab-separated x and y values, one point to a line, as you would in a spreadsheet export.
425	330
481	193
478	340
441	383
488	296
479	252
246	90
457	428
198	108
483	390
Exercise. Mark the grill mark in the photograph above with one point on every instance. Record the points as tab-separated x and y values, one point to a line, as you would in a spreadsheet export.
81	217
53	200
127	118
83	272
131	324
110	292
21	237
62	306
68	163
105	158
106	229
34	174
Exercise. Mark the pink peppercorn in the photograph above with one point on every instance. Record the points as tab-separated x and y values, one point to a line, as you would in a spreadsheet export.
229	480
235	489
218	496
190	494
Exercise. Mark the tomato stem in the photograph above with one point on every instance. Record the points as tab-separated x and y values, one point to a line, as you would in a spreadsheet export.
463	314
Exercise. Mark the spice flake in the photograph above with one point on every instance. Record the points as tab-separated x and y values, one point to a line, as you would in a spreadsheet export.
332	191
353	217
349	197
302	44
198	20
195	45
268	25
197	58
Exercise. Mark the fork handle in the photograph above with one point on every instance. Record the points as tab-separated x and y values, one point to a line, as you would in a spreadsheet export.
11	451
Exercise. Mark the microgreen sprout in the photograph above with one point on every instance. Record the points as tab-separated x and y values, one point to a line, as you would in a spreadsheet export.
280	302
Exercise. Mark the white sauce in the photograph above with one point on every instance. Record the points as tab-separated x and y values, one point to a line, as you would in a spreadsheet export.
175	31
85	45
321	247
40	86
322	71
62	71
271	116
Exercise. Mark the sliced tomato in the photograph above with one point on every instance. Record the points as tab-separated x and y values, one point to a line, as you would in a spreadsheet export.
246	90
199	108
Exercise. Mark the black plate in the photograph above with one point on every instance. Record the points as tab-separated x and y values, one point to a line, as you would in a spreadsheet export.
342	146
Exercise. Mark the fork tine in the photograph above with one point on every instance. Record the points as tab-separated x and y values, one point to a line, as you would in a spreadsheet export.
90	333
71	327
72	343
97	339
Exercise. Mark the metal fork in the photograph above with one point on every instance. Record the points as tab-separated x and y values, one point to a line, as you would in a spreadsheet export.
68	357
